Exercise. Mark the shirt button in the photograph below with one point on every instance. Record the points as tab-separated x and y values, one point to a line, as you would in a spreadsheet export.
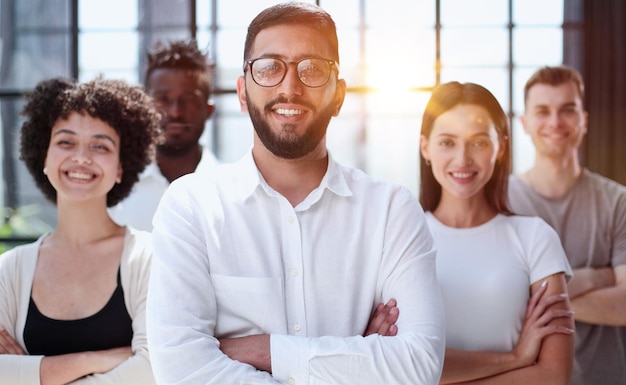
297	327
294	272
290	219
291	381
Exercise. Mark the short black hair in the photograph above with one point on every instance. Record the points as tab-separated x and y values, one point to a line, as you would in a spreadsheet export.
124	107
181	55
291	13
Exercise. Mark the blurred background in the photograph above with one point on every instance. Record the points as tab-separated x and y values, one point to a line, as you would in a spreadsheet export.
393	52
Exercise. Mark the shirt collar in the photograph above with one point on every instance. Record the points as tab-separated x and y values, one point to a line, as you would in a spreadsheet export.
334	180
151	171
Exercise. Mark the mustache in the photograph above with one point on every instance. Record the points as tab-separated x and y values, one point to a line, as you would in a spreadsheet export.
291	100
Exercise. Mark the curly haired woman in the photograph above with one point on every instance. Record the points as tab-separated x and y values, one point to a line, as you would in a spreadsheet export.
72	303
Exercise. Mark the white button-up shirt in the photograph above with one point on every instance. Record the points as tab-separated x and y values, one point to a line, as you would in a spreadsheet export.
234	258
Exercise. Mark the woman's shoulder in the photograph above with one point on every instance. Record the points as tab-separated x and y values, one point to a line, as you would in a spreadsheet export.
136	256
21	254
137	245
532	229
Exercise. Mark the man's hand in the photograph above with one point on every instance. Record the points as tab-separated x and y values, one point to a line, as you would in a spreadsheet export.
8	345
384	319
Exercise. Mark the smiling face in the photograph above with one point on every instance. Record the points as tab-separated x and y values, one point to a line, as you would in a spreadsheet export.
555	119
462	149
82	161
290	119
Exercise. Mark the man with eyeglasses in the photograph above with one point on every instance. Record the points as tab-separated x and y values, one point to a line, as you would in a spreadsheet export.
271	271
179	78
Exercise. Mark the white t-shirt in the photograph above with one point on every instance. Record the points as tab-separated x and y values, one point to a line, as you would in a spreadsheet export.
485	273
138	208
234	258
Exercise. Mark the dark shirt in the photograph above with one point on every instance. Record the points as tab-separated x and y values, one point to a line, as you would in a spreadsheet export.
111	327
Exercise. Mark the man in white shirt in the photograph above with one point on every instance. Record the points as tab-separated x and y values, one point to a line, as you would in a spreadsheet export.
179	78
268	271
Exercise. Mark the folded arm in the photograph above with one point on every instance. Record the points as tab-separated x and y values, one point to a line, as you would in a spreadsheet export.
65	368
543	354
255	350
588	279
605	304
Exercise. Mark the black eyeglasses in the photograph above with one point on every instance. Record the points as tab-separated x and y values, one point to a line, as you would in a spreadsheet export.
270	72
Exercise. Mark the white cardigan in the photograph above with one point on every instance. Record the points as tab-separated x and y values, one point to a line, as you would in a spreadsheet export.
17	268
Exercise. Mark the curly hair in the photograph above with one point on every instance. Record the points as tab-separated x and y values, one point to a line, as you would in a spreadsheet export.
181	55
126	108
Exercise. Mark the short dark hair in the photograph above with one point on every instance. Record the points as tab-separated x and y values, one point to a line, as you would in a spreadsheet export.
555	76
181	55
444	98
126	108
293	13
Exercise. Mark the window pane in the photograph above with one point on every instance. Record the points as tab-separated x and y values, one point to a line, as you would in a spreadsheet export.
522	147
203	13
240	13
400	58
538	46
414	13
345	12
233	128
488	46
496	80
346	133
49	14
163	13
109	52
483	13
37	57
538	12
350	56
38	210
109	14
520	76
392	145
229	57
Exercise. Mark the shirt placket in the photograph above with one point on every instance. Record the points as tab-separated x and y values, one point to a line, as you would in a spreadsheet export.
292	267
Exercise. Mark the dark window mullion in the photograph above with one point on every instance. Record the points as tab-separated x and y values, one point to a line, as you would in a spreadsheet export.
74	31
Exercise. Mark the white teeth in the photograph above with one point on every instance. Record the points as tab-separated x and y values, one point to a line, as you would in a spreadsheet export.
79	175
555	135
287	112
461	175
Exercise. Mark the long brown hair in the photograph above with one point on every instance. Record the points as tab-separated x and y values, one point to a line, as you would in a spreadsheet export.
444	98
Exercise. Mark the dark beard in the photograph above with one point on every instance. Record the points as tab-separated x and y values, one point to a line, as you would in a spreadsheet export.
174	151
284	144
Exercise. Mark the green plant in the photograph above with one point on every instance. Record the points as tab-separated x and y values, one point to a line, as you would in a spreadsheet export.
19	225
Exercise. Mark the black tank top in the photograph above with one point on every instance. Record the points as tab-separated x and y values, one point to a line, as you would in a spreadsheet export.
111	327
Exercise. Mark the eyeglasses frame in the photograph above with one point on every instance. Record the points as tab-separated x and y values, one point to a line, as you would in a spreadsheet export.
248	65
